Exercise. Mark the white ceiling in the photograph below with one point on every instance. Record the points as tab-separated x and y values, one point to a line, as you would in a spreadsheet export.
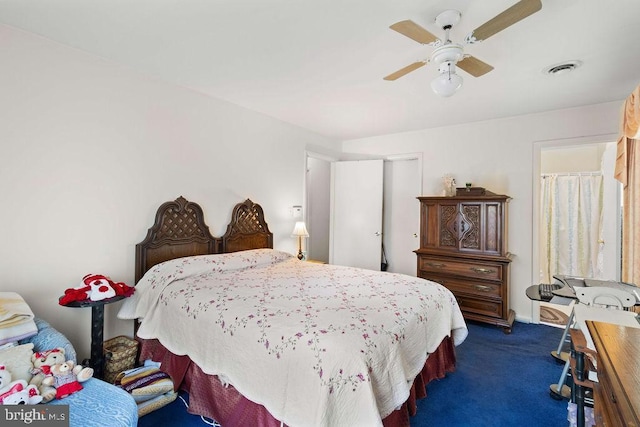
319	64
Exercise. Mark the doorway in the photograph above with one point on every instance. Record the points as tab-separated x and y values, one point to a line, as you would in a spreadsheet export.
402	183
572	158
318	201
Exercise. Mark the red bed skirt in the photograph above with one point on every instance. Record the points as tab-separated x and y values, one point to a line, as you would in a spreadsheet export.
210	398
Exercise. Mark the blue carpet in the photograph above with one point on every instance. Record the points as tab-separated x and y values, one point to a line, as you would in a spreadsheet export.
500	380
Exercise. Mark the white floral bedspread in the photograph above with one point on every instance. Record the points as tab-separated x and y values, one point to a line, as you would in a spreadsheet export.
317	345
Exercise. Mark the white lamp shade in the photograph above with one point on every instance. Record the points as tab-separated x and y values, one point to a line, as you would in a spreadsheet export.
446	84
300	230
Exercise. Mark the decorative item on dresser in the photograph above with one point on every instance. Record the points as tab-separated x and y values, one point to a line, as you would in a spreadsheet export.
463	245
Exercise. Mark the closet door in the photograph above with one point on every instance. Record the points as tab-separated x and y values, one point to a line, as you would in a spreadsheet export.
356	207
401	213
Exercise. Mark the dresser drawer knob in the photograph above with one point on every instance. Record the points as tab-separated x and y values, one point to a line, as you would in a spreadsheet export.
436	265
482	270
482	288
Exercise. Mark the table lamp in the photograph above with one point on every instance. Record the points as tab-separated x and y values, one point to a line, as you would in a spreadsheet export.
300	231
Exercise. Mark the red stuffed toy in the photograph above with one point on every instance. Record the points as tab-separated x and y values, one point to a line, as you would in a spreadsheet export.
95	287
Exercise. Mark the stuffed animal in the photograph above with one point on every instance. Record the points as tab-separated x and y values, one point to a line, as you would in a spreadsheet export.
95	287
42	362
5	378
25	396
66	378
8	387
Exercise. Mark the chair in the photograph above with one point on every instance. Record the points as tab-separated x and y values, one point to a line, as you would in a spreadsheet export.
98	403
601	304
593	303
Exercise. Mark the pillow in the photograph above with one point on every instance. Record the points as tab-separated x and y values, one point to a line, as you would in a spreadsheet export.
49	338
18	361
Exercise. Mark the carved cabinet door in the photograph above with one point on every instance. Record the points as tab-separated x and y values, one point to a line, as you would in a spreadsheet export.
469	226
464	226
460	226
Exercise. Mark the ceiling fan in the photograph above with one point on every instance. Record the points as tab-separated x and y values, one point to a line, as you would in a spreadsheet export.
448	55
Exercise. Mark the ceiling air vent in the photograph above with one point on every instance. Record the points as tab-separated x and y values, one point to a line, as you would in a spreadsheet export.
563	68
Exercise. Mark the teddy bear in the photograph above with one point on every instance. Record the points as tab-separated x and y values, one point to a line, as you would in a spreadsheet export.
42	362
66	378
95	287
8	387
26	395
5	379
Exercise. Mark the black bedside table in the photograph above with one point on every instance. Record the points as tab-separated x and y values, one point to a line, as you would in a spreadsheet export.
97	332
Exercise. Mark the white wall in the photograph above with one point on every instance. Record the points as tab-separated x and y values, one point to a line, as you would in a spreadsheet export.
91	149
497	155
583	158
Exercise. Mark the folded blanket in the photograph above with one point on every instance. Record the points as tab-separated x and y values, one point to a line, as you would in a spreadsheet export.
156	403
144	383
150	387
16	318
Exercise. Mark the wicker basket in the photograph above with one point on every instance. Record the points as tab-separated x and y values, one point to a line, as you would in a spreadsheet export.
120	354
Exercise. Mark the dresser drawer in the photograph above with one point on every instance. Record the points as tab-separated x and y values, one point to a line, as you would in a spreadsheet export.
601	412
473	269
487	290
479	306
607	410
478	289
476	298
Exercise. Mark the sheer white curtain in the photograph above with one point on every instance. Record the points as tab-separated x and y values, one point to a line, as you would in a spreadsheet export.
571	225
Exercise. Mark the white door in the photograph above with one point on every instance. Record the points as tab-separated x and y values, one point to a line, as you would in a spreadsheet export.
356	207
402	186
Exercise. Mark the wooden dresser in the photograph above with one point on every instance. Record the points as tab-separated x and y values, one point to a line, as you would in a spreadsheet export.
463	245
617	393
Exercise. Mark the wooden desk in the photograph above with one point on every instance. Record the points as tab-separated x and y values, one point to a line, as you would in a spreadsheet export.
617	393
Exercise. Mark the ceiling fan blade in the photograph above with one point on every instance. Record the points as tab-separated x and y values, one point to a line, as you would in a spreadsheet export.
515	13
474	66
405	70
414	31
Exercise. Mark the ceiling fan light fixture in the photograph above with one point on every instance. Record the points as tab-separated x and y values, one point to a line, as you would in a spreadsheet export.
450	52
448	82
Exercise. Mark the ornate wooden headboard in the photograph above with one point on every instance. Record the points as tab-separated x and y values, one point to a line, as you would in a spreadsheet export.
179	231
247	229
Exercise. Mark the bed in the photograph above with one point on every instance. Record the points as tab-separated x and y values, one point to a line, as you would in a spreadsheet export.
257	337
